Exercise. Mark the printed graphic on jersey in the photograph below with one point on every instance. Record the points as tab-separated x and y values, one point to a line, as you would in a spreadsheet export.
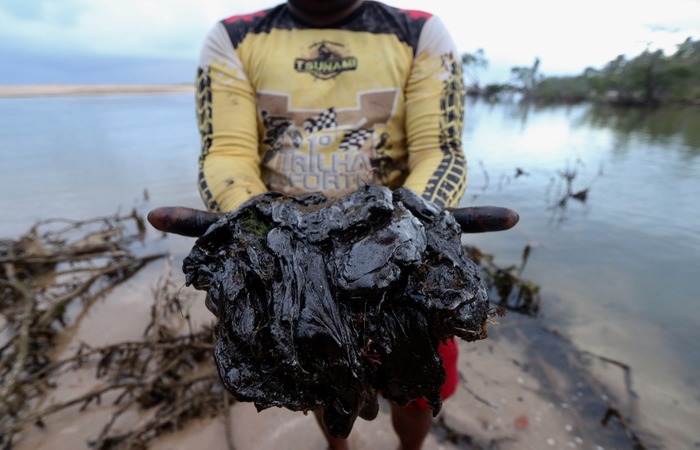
325	61
308	160
323	121
449	179
279	133
355	139
204	121
331	150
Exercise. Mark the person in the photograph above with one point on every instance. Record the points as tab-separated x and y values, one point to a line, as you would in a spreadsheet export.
330	95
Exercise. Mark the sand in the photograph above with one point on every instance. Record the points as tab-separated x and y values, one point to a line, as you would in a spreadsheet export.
53	90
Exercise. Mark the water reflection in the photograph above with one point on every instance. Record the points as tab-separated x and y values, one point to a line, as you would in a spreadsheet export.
607	199
661	126
667	126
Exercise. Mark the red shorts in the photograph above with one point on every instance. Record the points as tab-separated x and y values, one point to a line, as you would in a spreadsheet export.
449	352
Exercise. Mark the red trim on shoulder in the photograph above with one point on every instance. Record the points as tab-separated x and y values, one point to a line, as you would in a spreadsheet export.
245	17
415	14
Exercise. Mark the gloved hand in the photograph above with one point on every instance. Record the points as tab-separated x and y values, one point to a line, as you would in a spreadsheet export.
185	222
194	222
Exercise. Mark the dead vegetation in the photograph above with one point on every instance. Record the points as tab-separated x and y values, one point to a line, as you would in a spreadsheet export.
507	288
561	190
49	278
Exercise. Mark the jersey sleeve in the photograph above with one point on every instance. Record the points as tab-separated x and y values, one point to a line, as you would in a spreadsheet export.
435	118
229	163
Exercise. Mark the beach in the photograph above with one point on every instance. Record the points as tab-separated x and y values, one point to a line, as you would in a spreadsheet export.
524	387
510	397
610	361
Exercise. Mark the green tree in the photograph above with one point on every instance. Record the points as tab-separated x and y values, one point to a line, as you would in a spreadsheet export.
527	77
612	73
648	78
640	79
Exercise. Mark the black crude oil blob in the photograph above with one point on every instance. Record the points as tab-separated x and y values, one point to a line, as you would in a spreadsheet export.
323	302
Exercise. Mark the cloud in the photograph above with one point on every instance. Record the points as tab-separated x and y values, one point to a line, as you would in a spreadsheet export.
41	42
173	28
65	12
23	10
566	36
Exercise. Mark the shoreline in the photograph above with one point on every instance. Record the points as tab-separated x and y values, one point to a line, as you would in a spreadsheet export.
68	90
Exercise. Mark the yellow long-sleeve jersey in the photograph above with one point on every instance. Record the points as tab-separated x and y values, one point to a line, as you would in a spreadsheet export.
289	107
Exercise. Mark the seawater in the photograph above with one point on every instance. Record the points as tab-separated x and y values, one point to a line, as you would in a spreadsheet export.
619	272
78	157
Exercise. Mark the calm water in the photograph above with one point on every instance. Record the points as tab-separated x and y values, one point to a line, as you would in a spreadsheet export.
620	273
86	156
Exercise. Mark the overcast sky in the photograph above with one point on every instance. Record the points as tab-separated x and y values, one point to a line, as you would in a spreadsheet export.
567	36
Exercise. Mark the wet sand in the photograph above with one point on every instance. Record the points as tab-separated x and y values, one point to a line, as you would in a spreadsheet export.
55	90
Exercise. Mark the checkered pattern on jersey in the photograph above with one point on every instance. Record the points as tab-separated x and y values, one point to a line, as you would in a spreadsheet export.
322	121
354	140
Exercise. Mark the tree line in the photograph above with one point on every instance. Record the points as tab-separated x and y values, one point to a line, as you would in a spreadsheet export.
650	78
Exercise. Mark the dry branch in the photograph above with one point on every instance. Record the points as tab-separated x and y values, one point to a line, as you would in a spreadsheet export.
56	263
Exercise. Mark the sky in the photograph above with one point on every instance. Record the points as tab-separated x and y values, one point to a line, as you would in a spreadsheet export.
151	41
